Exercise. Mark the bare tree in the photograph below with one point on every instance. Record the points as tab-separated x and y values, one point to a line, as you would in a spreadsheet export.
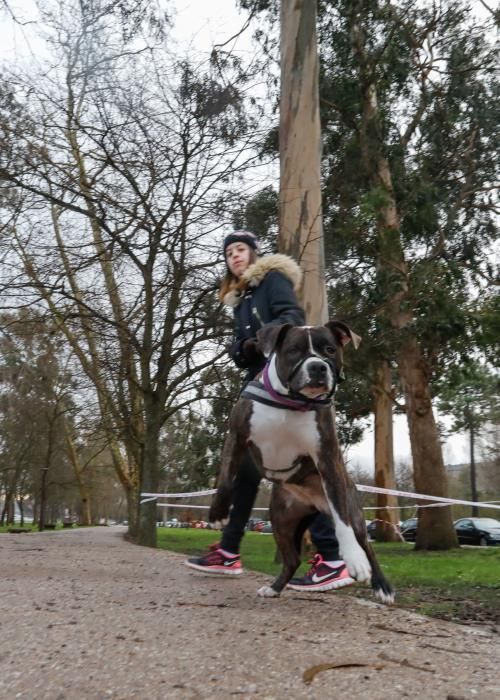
35	398
127	161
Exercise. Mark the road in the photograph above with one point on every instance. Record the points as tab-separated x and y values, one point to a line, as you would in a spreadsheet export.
87	615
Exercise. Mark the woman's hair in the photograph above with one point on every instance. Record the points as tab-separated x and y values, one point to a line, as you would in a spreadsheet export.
230	282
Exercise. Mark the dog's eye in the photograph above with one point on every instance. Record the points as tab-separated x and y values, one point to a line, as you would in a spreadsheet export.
293	349
330	350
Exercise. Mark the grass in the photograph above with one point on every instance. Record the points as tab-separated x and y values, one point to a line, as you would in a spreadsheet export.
28	526
461	584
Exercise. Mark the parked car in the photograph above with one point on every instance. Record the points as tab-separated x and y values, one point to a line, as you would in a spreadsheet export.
268	528
201	524
255	524
371	528
479	531
172	523
409	529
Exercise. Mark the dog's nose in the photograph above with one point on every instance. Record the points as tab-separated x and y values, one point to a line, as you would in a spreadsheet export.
317	371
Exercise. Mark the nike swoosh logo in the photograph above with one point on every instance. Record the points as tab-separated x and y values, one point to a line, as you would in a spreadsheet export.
318	579
229	563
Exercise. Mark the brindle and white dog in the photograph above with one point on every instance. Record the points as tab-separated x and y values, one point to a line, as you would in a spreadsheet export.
287	422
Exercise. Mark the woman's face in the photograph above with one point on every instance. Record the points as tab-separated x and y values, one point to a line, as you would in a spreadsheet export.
238	257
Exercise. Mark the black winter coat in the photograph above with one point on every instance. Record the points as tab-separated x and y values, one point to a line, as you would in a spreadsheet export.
269	299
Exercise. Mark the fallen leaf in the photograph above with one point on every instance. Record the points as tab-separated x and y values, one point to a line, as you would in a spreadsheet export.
311	672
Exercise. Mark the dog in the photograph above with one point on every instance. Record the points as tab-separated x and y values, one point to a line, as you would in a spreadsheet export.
286	420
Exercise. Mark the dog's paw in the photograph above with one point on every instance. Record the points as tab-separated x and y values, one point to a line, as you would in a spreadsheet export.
358	565
267	592
386	597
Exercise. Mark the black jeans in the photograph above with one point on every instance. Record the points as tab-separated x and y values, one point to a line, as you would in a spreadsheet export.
246	486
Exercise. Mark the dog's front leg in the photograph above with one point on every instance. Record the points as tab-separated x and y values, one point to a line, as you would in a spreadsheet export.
335	485
380	585
350	529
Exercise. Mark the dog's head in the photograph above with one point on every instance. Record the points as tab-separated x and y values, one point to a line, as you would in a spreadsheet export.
308	358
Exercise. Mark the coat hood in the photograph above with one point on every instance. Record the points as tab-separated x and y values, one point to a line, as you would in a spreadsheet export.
255	273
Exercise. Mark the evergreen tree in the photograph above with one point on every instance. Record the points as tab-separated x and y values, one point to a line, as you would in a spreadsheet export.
470	394
409	100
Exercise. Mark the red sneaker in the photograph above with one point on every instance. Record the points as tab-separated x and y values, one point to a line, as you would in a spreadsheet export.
322	577
216	562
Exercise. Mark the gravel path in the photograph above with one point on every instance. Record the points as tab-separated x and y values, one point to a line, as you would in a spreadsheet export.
87	615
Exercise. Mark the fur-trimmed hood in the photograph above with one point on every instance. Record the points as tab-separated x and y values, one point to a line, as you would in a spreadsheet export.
255	273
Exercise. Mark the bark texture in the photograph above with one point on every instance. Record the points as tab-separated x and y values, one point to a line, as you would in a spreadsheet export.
301	230
384	455
78	469
435	530
435	526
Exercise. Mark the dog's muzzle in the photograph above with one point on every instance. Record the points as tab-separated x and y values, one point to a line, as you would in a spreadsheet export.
312	373
318	373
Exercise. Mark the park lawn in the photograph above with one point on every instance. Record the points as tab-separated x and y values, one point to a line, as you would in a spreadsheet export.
461	584
28	526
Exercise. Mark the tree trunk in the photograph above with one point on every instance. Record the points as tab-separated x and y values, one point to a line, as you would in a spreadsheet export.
387	527
5	510
43	498
435	530
11	513
150	479
20	504
473	477
86	515
301	229
435	526
86	512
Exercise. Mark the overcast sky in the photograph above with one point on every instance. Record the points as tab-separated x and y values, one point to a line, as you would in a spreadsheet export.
199	24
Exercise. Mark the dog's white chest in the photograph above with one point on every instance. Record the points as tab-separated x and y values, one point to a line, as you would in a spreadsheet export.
282	435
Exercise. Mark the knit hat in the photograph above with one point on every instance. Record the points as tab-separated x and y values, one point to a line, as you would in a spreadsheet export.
242	237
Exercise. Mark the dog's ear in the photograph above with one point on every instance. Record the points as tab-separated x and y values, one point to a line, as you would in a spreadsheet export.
271	337
343	333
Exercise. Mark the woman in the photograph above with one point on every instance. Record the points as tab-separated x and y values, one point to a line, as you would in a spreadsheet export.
261	291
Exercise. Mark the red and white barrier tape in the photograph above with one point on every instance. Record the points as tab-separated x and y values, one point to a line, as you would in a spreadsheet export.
438	500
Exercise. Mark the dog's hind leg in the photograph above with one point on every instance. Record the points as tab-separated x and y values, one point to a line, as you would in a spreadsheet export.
221	503
290	518
232	452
